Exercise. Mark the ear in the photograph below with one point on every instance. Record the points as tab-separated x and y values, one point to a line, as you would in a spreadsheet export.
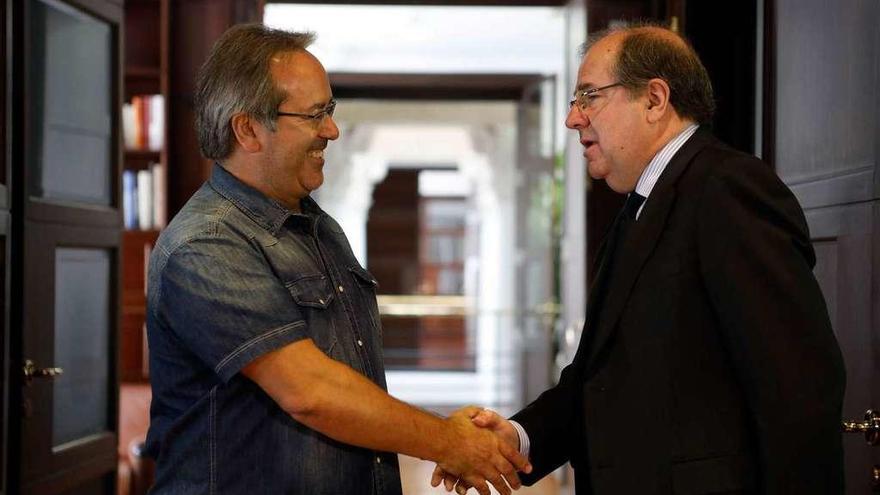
657	93
247	135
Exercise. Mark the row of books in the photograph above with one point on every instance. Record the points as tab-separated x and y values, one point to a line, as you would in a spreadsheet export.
144	203
143	122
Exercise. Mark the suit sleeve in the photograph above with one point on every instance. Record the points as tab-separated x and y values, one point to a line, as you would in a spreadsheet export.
551	424
756	261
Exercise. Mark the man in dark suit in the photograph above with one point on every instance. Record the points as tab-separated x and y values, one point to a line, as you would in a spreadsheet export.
707	363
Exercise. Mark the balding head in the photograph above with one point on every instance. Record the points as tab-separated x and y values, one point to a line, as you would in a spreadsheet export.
646	52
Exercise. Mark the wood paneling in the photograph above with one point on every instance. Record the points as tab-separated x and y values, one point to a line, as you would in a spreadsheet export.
826	59
846	266
133	356
825	88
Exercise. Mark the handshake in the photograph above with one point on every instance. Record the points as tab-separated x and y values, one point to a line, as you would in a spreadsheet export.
487	450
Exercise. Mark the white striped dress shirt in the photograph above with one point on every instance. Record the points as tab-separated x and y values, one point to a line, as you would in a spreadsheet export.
658	164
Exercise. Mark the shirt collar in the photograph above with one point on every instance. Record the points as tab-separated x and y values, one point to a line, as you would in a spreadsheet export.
260	208
658	164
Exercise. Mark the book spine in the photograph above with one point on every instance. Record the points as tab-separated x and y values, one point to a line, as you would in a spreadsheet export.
160	202
145	199
129	199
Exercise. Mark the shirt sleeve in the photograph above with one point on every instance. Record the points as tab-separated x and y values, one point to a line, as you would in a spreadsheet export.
523	438
221	300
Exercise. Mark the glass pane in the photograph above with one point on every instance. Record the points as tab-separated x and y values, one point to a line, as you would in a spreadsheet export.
445	249
82	343
70	102
445	214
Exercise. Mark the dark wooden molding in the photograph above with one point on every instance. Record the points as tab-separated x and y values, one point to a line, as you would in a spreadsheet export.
462	3
431	86
768	126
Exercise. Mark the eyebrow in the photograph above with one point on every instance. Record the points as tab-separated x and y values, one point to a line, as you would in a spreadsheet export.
314	107
320	105
587	86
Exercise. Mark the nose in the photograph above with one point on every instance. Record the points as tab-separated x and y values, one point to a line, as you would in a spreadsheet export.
329	129
576	119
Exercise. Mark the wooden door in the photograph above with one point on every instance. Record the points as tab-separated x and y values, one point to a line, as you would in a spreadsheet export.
65	285
822	136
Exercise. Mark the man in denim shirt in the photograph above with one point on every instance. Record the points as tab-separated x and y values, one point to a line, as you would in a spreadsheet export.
265	340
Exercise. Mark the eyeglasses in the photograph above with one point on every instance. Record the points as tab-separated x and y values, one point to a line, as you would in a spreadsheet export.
318	116
586	98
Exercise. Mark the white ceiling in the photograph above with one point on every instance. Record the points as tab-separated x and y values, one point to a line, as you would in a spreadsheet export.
429	39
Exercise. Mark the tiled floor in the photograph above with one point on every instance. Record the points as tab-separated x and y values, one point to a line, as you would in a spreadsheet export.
415	475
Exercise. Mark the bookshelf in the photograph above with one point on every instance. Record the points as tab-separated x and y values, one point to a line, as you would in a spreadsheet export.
145	168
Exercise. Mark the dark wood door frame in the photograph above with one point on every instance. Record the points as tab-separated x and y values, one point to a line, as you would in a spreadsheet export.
768	105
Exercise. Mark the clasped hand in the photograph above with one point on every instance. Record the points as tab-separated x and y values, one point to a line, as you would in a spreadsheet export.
487	451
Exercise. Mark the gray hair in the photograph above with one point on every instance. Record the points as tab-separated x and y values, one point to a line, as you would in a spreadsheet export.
650	51
236	79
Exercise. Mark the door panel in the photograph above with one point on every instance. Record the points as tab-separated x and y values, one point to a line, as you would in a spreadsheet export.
69	425
65	288
846	269
826	62
71	95
70	65
82	322
826	59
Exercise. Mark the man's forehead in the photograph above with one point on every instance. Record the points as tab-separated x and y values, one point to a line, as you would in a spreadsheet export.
595	69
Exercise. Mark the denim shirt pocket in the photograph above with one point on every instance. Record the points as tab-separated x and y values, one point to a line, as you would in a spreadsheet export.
367	284
314	294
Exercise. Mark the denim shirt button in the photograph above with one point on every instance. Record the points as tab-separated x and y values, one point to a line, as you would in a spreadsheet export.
378	460
360	342
341	289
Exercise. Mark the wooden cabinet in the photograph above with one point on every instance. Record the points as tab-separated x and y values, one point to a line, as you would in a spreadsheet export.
145	78
62	241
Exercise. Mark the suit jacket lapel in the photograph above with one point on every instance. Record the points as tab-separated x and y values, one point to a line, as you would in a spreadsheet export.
633	253
597	289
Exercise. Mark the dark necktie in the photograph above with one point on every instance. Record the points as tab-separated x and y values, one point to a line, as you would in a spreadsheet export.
627	217
634	201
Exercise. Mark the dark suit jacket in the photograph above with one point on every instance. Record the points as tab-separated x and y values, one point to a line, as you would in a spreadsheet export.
712	366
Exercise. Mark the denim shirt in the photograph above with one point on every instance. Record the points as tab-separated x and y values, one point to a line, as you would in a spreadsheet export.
236	275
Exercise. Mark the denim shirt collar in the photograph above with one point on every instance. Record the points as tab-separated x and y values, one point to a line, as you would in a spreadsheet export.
263	210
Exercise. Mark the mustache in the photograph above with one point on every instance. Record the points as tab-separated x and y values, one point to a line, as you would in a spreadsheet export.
318	145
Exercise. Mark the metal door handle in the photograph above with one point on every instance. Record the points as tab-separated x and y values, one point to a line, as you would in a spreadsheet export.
870	427
31	371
